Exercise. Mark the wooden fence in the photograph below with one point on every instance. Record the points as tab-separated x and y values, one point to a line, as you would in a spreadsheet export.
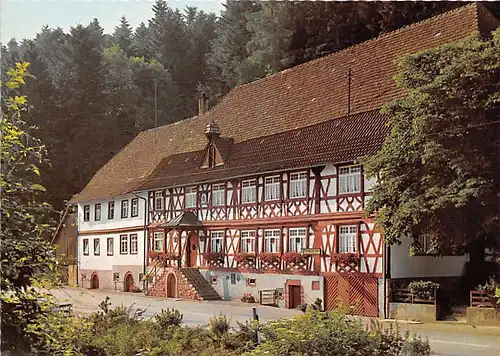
481	299
404	295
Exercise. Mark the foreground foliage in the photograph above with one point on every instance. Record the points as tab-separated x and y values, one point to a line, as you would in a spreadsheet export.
28	319
124	331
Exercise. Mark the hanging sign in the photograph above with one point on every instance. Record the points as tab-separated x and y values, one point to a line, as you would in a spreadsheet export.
311	251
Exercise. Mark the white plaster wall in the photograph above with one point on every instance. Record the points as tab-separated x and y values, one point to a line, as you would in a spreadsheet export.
105	262
118	221
405	266
262	281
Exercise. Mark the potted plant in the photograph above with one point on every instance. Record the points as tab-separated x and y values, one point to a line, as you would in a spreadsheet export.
248	298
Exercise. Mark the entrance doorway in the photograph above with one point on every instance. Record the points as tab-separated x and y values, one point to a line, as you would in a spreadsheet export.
128	283
192	250
171	286
294	293
94	282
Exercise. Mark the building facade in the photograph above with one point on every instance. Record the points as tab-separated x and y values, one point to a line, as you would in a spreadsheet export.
264	194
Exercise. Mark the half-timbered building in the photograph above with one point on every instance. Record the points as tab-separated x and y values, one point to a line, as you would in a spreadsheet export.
264	193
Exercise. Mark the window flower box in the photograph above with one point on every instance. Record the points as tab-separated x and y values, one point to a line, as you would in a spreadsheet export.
214	258
294	257
243	257
270	257
346	259
164	257
245	260
270	261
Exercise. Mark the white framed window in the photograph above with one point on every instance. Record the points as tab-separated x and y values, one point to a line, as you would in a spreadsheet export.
191	197
111	210
217	241
97	212
97	247
123	244
158	241
349	179
86	247
272	188
110	247
247	241
272	240
124	209
348	239
133	243
86	213
298	185
297	238
248	191
158	200
134	211
218	194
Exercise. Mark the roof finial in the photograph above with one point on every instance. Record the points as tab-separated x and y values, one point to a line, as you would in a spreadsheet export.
212	130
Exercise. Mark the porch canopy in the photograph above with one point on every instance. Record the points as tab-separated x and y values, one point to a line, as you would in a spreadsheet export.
185	221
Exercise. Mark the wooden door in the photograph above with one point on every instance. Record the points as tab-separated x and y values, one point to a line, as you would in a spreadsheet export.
295	299
192	250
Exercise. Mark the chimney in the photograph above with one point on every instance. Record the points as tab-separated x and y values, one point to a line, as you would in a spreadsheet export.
202	104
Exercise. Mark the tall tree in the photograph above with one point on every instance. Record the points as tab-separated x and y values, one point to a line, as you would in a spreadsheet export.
141	42
229	48
438	167
123	36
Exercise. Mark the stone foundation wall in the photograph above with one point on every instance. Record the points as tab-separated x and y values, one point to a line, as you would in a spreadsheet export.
183	289
415	312
483	316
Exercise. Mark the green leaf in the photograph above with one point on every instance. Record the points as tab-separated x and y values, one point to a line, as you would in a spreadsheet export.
38	187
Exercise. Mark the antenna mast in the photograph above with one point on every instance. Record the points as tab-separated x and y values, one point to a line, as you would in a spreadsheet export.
156	115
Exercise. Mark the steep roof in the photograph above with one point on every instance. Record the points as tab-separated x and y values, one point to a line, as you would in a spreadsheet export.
306	95
339	140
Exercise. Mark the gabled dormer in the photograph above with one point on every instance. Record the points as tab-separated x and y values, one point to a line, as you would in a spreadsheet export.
212	156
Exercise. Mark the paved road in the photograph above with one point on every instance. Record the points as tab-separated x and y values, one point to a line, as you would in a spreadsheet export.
445	338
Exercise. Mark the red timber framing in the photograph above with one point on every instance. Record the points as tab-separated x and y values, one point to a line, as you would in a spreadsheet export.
322	198
321	212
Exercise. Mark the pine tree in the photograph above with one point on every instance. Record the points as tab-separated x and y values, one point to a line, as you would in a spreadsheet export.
229	48
123	36
141	46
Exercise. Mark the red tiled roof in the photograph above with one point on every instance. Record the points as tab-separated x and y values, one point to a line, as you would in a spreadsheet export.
339	140
306	95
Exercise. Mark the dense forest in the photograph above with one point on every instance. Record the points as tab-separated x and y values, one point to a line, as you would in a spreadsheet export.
94	92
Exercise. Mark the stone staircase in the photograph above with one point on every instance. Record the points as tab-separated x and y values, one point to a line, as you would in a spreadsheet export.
200	284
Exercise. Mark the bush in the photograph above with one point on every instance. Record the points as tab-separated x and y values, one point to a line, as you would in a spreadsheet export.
168	318
220	325
331	333
120	331
248	298
489	286
423	289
